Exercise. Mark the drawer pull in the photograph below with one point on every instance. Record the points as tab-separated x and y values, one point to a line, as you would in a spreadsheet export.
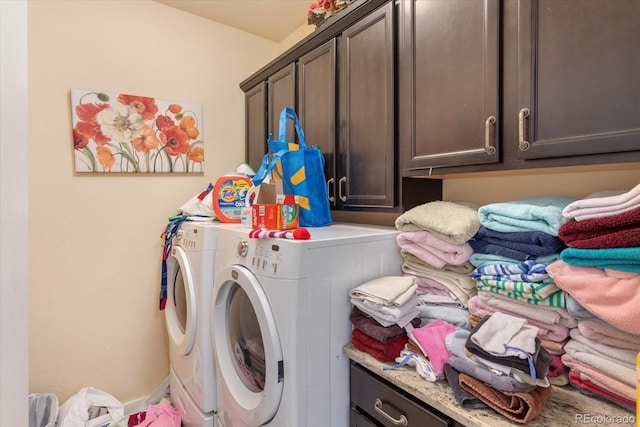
402	421
523	144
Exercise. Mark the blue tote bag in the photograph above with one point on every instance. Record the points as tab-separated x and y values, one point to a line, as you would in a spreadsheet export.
301	169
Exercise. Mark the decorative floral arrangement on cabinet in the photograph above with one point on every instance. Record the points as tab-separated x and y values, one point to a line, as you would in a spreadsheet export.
322	9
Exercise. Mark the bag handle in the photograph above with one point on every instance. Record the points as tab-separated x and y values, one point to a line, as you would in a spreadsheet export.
285	114
267	166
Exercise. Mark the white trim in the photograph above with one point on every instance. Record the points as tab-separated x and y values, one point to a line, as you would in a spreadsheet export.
14	226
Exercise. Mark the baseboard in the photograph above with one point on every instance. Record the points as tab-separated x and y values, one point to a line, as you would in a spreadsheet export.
135	406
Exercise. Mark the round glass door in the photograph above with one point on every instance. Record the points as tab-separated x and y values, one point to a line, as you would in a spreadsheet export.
247	345
180	310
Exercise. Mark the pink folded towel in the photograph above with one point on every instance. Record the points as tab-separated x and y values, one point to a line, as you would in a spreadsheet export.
599	378
605	333
611	295
431	338
433	250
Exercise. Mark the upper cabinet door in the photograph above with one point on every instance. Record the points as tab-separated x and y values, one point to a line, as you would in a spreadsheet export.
449	83
256	125
281	89
317	105
578	77
366	112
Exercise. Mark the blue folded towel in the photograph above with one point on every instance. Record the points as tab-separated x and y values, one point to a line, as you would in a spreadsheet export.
623	259
521	245
533	214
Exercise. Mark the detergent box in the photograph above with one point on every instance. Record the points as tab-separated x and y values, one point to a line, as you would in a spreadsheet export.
274	211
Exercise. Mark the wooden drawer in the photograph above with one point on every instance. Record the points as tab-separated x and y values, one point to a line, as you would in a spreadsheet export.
389	407
356	419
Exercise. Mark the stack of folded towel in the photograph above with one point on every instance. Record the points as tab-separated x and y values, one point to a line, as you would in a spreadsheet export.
434	245
600	272
501	363
524	233
382	308
516	242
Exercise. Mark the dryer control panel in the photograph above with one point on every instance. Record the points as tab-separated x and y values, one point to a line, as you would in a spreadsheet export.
271	257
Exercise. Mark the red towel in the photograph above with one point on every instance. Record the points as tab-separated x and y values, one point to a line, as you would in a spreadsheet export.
584	384
615	231
381	351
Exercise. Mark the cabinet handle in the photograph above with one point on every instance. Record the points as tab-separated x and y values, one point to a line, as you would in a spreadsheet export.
402	421
523	144
330	181
342	180
490	149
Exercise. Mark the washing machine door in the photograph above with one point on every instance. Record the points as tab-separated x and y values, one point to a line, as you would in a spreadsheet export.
180	310
247	345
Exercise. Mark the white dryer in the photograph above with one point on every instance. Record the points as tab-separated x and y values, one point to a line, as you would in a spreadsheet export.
280	318
190	276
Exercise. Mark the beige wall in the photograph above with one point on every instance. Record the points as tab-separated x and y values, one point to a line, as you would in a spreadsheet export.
485	190
94	255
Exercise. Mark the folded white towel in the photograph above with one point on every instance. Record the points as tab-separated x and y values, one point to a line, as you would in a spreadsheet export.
502	330
390	290
602	204
388	315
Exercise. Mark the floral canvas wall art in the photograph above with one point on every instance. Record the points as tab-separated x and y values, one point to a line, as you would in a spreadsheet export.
135	134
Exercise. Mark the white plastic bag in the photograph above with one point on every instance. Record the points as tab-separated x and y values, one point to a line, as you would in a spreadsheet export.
43	410
199	205
90	407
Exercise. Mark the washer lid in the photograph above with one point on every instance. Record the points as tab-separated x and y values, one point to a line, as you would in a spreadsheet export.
180	311
247	345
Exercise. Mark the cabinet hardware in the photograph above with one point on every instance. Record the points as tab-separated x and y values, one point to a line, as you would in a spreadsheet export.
343	179
402	421
490	149
330	182
523	144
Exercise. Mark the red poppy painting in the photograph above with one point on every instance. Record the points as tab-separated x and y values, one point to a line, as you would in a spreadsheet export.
136	134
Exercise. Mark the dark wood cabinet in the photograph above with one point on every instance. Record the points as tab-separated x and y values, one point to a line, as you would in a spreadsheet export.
317	106
344	93
375	402
448	74
366	144
256	124
560	78
281	90
578	77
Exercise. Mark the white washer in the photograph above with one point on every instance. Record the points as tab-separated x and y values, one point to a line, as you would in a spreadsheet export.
190	276
280	318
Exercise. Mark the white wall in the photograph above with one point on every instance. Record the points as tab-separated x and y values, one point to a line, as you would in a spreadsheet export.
94	254
13	214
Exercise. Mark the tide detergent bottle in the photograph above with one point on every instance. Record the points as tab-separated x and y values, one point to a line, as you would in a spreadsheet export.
229	193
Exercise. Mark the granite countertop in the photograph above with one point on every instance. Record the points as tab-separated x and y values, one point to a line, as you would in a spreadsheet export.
566	405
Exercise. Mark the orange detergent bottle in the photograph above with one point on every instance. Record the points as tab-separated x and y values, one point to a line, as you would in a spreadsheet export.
229	193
